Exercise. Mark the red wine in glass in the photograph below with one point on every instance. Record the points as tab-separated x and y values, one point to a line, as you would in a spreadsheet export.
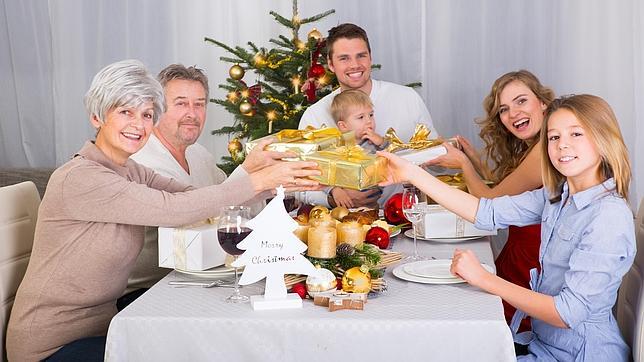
229	238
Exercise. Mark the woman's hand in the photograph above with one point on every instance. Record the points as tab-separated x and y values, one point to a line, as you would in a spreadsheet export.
259	157
454	158
292	175
398	169
467	266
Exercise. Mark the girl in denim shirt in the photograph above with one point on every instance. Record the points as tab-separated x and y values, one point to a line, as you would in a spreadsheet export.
586	175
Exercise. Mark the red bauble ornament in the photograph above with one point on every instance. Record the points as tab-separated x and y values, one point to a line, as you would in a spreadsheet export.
378	237
300	289
316	71
393	210
339	282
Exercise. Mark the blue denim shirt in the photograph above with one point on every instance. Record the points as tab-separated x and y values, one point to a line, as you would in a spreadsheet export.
587	245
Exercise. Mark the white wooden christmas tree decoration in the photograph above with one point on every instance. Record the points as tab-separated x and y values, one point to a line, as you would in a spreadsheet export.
272	250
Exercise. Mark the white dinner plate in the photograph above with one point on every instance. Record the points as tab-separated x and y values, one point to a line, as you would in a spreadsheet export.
218	271
400	272
437	269
410	234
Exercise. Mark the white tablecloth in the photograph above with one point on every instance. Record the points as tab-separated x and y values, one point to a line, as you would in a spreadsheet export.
410	322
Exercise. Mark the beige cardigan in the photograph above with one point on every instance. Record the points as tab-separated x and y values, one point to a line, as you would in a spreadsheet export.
88	236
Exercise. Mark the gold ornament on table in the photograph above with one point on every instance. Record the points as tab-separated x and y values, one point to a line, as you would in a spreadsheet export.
318	212
357	280
315	34
236	149
236	72
245	107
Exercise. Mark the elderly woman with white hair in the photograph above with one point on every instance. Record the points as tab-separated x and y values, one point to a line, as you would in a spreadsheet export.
91	220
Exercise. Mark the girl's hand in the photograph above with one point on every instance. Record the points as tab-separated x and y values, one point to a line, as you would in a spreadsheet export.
466	265
398	169
454	158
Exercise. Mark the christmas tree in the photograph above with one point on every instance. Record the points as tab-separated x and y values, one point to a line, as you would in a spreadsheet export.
290	77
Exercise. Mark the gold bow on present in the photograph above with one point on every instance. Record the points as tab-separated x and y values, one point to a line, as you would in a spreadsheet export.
346	153
418	141
308	133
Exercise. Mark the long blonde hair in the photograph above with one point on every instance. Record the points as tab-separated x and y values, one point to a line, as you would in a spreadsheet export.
502	148
598	119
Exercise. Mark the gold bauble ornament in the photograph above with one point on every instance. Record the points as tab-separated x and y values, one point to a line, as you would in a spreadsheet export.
236	149
321	281
357	280
245	107
318	212
236	72
315	34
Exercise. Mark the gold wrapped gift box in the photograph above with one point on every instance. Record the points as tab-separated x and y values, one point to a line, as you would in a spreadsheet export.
305	141
349	167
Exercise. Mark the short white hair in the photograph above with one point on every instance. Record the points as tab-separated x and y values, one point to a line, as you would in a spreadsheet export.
125	83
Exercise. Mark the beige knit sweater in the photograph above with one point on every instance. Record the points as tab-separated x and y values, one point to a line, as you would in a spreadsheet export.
88	235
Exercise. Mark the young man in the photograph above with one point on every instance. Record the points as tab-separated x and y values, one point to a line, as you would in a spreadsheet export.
397	106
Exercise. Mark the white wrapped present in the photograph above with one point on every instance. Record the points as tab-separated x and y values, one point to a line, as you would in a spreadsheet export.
438	222
418	157
190	248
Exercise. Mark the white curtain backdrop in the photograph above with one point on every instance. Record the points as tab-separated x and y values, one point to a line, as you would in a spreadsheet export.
50	50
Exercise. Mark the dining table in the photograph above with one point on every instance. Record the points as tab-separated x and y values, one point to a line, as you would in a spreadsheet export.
410	321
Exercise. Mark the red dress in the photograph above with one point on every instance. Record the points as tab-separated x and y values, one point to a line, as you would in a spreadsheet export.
519	255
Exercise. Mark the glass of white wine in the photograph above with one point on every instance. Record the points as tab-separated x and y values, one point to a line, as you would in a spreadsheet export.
410	199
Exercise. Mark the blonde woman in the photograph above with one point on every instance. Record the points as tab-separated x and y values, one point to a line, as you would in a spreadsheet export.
514	115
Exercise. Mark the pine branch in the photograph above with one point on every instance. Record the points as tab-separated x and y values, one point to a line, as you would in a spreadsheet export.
414	85
317	17
282	20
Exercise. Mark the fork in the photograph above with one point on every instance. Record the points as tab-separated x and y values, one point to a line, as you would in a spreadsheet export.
214	283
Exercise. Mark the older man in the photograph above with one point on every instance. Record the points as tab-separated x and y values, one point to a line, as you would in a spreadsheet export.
173	151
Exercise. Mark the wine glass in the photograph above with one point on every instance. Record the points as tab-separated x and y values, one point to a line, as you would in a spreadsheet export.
231	230
410	199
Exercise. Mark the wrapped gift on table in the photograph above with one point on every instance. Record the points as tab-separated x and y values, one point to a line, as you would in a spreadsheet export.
349	167
438	222
190	248
305	141
420	148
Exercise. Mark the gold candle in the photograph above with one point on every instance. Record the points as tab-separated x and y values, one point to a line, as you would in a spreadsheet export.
302	232
351	232
322	241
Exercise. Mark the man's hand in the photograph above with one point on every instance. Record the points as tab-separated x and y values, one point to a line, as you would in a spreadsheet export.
259	158
365	198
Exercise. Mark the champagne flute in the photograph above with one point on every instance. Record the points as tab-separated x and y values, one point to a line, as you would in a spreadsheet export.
410	199
231	230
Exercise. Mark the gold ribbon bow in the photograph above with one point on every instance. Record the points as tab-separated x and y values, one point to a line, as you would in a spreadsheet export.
308	133
418	141
347	153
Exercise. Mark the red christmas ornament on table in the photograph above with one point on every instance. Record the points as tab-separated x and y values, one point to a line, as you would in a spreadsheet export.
393	210
378	237
300	289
